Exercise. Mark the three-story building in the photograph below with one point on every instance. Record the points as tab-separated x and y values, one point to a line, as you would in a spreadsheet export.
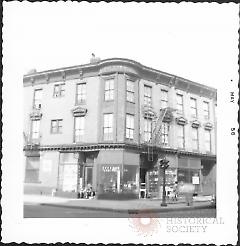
94	125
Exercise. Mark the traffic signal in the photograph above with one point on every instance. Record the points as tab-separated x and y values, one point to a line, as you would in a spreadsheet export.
164	163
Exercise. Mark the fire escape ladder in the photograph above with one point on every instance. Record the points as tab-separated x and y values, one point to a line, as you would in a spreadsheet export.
156	132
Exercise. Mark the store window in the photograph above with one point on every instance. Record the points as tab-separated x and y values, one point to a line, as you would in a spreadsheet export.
164	99
147	95
165	133
195	140
179	104
109	90
56	126
110	178
147	129
81	93
206	113
32	169
79	127
130	91
130	178
59	90
208	140
193	105
108	127
180	136
129	126
37	103
35	129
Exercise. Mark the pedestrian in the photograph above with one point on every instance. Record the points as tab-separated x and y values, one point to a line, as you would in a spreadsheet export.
175	191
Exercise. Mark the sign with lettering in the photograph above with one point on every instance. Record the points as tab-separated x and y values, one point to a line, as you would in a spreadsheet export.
110	169
117	68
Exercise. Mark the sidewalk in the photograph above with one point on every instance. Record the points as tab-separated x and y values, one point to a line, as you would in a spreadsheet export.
129	206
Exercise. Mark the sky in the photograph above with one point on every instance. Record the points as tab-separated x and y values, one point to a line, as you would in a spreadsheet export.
194	41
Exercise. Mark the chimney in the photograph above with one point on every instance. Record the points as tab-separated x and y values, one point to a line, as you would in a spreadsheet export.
94	59
32	71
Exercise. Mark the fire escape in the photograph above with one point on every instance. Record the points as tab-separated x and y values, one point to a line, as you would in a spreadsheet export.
156	134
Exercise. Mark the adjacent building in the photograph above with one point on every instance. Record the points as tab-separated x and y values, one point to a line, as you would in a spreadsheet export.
107	124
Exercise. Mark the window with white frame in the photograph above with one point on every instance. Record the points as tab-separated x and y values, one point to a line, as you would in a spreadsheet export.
81	93
108	127
79	128
59	90
193	105
180	103
165	134
56	126
35	129
129	126
195	140
164	99
180	136
130	91
109	90
208	140
147	129
37	103
147	95
206	113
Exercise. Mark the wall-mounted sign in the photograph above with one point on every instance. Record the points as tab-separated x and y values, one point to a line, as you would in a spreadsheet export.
110	169
195	180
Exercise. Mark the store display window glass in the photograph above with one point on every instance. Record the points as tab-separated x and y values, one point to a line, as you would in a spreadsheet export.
130	180
110	178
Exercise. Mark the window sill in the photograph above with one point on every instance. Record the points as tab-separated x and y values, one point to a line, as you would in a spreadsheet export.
130	102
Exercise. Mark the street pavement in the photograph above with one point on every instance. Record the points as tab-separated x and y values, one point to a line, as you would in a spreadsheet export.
139	207
45	211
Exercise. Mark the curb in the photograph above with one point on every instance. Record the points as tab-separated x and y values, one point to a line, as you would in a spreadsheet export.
131	211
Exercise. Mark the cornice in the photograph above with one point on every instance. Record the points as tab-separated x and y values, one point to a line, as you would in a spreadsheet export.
135	68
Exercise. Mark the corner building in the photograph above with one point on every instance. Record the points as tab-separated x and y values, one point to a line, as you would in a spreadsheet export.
108	123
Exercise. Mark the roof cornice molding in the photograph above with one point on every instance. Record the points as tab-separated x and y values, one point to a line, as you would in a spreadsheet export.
154	75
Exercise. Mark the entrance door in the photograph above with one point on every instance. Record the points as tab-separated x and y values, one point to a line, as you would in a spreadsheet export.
88	177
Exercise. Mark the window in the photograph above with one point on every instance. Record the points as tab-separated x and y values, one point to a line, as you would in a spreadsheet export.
32	169
59	90
165	133
164	99
129	126
130	91
37	99
79	126
108	127
206	110
109	90
180	136
81	93
180	103
193	106
195	138
147	95
208	140
147	129
35	129
56	126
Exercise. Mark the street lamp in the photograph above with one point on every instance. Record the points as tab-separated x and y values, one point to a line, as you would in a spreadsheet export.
164	165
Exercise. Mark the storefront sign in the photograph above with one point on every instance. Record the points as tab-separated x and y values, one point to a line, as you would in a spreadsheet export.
110	169
195	180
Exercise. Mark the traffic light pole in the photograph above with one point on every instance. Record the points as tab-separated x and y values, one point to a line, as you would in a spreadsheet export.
164	165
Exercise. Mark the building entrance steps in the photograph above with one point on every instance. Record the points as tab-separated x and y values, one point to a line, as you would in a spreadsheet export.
146	205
